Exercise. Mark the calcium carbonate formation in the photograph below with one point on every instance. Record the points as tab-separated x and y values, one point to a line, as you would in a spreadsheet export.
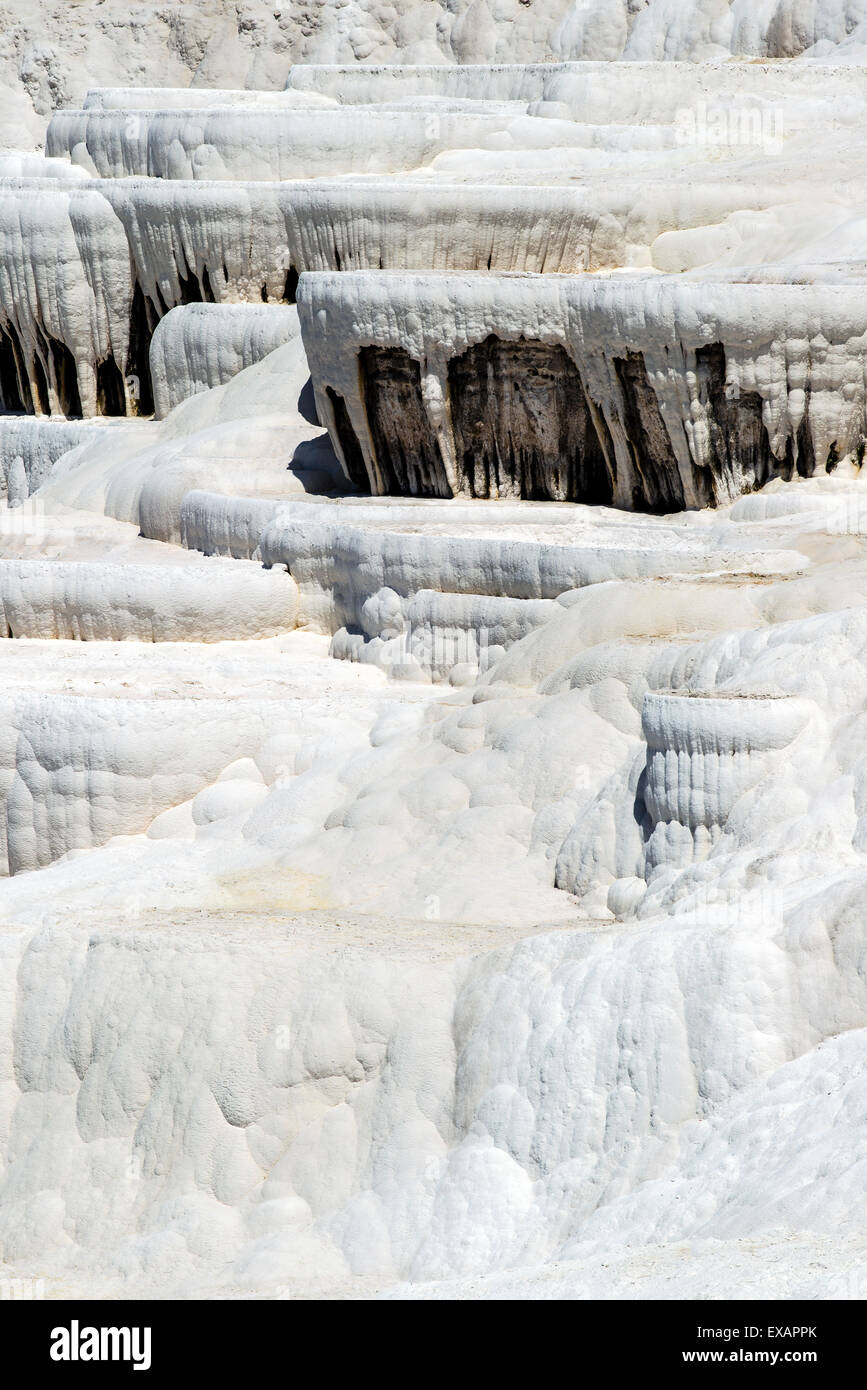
433	640
650	393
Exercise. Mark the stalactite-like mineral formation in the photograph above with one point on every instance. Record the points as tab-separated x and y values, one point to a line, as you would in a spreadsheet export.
433	645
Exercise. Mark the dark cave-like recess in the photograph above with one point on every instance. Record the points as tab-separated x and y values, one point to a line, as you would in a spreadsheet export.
806	454
14	388
404	443
348	440
657	486
65	378
110	398
738	438
192	291
41	386
522	424
143	319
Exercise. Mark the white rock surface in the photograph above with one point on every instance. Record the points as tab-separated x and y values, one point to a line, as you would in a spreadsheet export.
694	391
65	300
205	345
51	58
433	896
38	441
147	603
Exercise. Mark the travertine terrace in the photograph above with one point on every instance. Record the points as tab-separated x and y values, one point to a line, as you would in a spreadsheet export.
433	651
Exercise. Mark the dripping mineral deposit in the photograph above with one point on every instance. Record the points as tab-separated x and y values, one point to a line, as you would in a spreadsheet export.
433	649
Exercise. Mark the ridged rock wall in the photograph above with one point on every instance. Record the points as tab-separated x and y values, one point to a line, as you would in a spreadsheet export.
30	445
339	566
71	333
205	345
103	602
596	92
703	755
76	771
648	393
268	143
46	61
222	241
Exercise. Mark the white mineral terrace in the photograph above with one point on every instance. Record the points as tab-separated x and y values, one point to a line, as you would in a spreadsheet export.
643	391
433	651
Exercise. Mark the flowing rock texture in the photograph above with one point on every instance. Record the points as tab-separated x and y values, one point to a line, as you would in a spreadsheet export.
433	645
